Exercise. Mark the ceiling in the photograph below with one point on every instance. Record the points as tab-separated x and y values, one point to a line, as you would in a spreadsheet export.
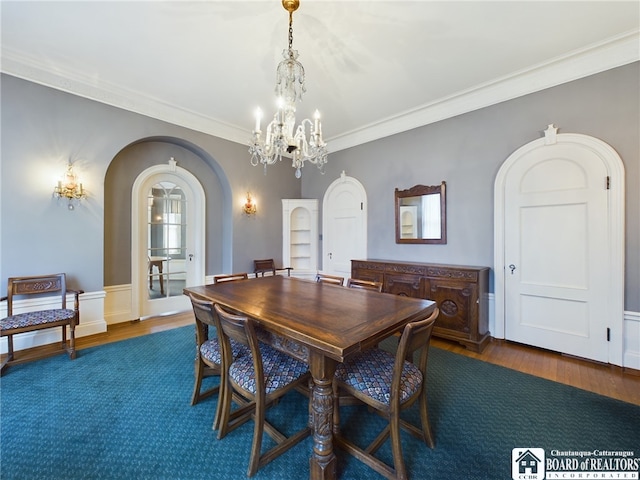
373	68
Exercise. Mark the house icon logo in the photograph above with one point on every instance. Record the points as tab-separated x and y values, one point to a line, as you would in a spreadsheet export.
527	464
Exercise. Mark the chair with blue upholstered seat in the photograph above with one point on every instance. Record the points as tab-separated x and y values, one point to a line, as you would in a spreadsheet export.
208	358
34	288
390	384
261	378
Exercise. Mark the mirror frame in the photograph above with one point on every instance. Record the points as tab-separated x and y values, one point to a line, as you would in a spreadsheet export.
418	191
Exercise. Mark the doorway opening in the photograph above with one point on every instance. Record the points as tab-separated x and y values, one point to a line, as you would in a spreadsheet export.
168	239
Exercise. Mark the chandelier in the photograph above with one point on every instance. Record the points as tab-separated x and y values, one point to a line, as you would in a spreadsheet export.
282	138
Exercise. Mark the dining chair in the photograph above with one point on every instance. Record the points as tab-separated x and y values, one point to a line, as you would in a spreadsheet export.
231	277
333	279
208	352
261	378
268	266
389	384
364	284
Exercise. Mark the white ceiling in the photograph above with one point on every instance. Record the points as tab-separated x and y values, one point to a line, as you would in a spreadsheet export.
373	68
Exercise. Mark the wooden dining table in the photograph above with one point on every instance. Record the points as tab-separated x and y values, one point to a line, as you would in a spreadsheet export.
322	324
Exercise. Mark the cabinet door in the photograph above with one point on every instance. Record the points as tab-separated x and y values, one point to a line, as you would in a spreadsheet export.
456	301
404	284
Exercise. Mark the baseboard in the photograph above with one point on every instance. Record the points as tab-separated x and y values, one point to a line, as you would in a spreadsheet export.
91	320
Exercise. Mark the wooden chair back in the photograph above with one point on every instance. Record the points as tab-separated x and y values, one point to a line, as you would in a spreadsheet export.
268	266
36	285
232	277
203	312
332	279
364	284
260	267
238	328
415	337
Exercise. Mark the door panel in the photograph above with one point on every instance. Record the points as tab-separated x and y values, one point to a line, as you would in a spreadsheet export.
344	226
555	251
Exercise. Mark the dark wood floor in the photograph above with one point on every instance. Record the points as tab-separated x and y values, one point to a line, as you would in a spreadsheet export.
607	380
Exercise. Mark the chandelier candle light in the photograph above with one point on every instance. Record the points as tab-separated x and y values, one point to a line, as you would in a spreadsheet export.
280	138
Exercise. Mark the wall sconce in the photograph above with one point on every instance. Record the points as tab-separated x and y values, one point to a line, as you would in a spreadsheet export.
70	188
249	207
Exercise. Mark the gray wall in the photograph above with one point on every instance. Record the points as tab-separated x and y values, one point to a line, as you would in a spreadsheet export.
42	128
467	151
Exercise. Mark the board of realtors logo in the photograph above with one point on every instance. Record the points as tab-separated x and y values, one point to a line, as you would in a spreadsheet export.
527	464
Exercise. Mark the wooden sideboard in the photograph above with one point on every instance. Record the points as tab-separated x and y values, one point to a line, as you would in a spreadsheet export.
460	291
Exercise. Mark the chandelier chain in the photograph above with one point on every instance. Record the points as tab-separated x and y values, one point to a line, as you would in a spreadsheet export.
290	32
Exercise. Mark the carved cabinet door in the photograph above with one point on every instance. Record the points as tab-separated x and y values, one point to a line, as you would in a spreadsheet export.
456	301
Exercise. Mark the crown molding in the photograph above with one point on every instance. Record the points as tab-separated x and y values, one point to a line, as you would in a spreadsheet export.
77	83
614	52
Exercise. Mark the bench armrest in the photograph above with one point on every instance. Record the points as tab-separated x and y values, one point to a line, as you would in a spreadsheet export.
76	300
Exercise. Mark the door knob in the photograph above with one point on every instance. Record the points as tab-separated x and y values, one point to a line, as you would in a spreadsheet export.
512	267
191	257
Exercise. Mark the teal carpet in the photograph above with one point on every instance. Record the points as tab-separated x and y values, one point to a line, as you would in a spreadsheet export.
121	411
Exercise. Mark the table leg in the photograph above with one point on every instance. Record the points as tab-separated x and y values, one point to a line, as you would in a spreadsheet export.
322	464
161	278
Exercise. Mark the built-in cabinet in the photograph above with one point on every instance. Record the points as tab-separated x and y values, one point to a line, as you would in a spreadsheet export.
300	235
461	293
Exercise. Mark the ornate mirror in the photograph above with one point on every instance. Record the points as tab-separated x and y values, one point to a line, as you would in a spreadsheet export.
421	214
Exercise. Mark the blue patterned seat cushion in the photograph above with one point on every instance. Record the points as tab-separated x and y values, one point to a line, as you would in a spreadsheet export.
371	372
212	352
279	370
30	319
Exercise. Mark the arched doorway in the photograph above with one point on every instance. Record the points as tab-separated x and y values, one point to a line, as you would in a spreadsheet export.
167	239
344	225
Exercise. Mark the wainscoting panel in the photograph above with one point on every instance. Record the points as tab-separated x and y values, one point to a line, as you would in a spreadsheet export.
631	347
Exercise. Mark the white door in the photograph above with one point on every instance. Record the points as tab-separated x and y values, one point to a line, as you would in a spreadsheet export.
344	225
557	271
167	241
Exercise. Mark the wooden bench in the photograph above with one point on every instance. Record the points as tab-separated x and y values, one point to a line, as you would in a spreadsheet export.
35	287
